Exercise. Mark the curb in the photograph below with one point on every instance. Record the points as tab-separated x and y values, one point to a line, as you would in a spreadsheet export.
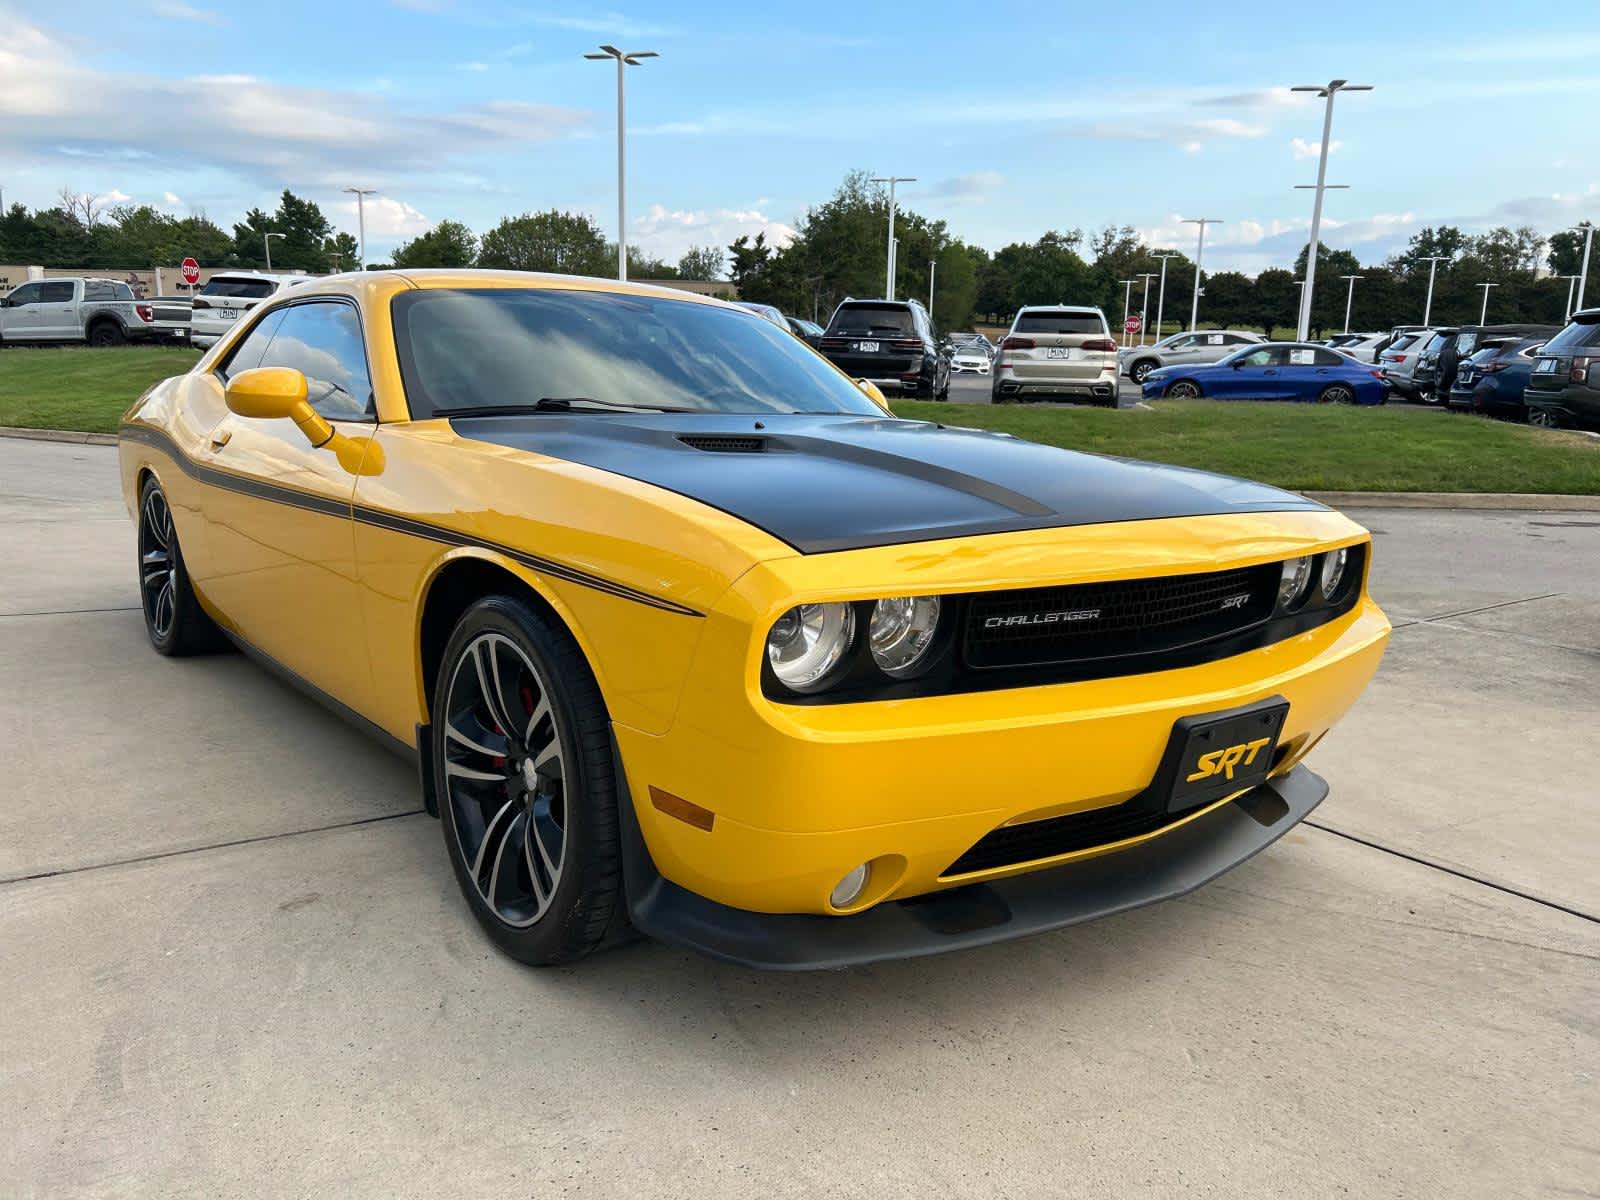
1482	501
59	435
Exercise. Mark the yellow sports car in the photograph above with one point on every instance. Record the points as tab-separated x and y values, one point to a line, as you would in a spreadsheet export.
687	632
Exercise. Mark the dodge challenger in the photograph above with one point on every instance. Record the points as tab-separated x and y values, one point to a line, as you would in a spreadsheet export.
689	636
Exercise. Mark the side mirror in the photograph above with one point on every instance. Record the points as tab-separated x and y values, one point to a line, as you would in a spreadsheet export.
872	393
271	393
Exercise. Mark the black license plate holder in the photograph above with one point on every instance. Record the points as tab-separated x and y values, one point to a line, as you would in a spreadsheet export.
1212	755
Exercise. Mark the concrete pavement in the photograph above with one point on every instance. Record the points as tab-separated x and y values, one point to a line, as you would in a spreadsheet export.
234	965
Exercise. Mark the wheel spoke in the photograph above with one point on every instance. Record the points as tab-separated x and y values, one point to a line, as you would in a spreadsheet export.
471	742
502	893
485	662
462	771
493	834
550	754
162	616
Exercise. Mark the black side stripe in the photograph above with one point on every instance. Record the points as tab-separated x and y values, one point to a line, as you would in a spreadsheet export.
295	498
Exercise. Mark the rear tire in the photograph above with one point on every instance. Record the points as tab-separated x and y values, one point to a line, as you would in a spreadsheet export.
526	782
1140	369
106	334
1543	418
1336	393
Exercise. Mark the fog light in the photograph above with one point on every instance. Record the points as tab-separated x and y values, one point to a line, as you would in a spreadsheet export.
848	890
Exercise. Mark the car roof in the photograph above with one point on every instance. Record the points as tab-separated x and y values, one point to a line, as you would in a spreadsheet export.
462	277
1076	308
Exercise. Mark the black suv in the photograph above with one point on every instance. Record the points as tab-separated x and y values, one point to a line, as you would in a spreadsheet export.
889	342
1564	388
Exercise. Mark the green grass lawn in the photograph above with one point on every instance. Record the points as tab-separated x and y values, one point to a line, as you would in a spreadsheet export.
1305	447
1308	447
77	388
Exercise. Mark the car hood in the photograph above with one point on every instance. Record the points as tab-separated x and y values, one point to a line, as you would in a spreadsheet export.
823	483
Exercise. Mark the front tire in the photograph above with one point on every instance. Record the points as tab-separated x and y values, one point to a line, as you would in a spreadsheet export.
526	783
1183	389
173	618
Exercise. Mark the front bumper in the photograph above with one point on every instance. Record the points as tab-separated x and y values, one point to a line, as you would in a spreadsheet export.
976	914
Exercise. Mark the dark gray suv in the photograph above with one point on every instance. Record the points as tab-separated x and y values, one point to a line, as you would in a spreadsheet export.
1564	388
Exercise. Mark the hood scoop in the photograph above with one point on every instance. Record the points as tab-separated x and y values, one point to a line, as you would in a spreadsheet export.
721	443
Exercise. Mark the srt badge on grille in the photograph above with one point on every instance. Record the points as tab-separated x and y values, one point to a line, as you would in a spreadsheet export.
1045	618
1238	601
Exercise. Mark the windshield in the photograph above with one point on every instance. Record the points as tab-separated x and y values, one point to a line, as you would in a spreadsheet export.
1580	334
1434	343
249	289
1058	322
872	318
507	347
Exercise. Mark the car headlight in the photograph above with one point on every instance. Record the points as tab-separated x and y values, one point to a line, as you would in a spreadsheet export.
1294	583
901	634
1333	566
808	642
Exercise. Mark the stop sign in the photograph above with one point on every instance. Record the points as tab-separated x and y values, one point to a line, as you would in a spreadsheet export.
191	271
1131	325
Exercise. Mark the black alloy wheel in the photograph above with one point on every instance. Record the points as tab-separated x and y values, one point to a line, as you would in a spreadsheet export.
1543	418
1336	394
106	334
1183	390
524	775
173	618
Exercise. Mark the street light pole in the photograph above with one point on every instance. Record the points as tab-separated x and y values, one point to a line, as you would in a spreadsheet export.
933	270
1350	298
1433	262
1127	304
361	195
1483	316
1161	296
1144	305
891	180
1583	271
266	244
1199	253
1571	283
1332	89
624	59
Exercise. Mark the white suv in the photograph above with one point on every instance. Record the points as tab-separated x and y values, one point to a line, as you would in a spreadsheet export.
1057	350
227	296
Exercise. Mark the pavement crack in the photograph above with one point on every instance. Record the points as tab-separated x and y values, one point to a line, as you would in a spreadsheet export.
70	612
249	841
1507	889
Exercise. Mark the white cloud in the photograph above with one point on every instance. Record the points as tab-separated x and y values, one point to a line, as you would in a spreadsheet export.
386	218
276	134
175	11
972	187
171	199
1189	135
472	66
601	22
667	233
1304	149
113	197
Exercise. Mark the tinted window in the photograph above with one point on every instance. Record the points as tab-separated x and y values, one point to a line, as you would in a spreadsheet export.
872	318
1181	343
323	342
1234	339
28	293
1327	358
1578	335
1267	356
98	289
507	346
248	353
1434	343
247	289
1403	342
1045	321
56	292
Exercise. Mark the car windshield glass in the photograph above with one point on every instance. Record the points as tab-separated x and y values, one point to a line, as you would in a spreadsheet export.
872	318
484	348
1403	342
1579	334
1434	343
247	289
1045	321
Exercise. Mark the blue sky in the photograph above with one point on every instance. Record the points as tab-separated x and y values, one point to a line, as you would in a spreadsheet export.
1015	118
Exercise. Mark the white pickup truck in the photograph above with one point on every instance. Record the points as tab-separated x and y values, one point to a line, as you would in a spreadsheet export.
102	312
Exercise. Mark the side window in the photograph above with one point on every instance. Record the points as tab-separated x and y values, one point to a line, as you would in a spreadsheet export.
248	353
1257	358
1327	358
56	292
28	293
98	289
1182	343
322	340
1302	356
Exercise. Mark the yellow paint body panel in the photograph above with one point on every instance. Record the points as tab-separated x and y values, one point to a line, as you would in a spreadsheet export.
801	793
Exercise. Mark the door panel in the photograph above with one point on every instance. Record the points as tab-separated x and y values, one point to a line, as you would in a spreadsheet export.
57	313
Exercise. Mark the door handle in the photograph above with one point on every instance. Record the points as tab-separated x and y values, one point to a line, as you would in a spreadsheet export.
219	438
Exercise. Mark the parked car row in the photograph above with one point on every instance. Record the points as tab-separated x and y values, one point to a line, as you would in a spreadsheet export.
1304	371
1483	368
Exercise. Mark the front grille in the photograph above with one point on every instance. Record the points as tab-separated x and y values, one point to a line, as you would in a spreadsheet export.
1012	844
723	443
1088	622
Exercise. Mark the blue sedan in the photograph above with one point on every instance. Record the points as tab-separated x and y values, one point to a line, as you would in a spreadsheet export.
1276	371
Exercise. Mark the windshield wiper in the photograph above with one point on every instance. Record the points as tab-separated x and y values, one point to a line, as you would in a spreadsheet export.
557	404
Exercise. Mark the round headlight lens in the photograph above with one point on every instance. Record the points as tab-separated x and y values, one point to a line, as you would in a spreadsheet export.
1333	564
807	642
1294	583
901	633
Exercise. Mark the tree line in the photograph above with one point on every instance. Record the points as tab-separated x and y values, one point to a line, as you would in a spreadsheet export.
840	250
